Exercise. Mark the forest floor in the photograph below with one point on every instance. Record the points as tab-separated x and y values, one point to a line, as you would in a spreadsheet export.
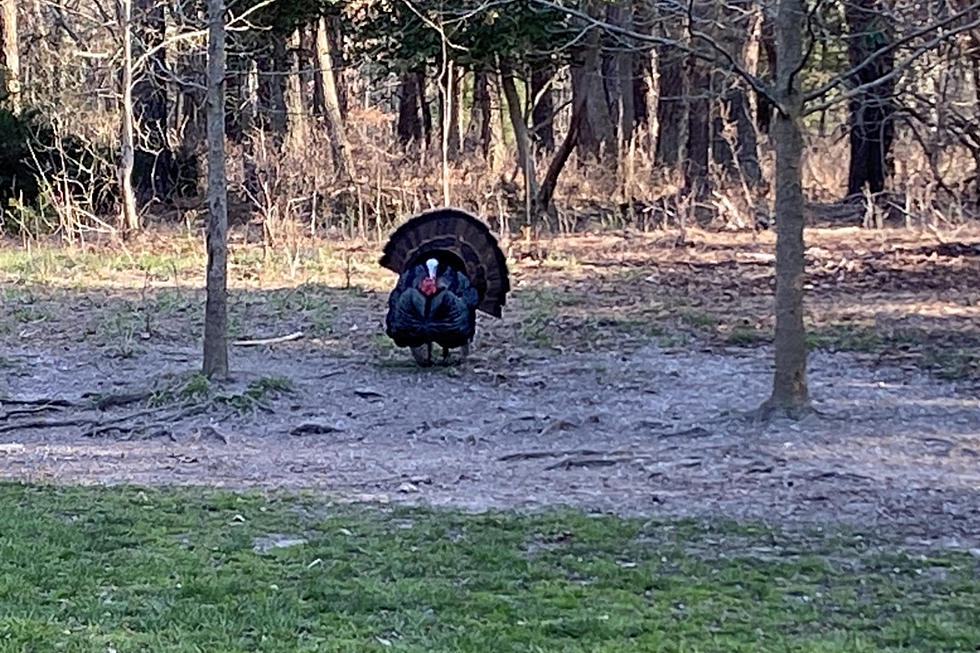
619	379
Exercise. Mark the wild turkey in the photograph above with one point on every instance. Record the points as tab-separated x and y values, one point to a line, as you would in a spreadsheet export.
449	266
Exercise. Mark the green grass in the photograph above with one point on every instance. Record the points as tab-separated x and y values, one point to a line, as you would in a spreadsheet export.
128	569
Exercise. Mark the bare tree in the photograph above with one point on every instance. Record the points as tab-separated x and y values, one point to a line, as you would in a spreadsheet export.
789	387
129	216
216	307
331	100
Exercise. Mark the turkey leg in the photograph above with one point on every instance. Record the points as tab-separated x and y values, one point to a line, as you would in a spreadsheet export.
423	354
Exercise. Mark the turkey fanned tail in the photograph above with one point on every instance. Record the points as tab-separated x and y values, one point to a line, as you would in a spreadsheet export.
449	266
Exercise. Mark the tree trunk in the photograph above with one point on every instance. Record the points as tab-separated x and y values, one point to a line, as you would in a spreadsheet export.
870	112
523	138
597	133
479	130
671	108
735	141
409	126
297	110
545	198
216	305
155	176
543	109
619	76
449	98
767	48
272	67
129	216
332	116
11	53
424	107
698	129
789	390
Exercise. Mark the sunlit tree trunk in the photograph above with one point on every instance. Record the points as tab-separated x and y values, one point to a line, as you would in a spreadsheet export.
789	390
216	306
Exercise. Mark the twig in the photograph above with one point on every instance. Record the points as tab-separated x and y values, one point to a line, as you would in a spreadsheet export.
569	463
42	401
269	341
45	423
533	455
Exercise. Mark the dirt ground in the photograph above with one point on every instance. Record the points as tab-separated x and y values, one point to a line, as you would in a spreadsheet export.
616	419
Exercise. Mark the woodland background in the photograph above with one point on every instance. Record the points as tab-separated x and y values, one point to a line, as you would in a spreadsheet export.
344	117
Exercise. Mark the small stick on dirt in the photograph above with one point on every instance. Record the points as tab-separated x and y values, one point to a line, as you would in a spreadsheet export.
42	401
46	424
532	455
315	429
31	410
569	463
269	341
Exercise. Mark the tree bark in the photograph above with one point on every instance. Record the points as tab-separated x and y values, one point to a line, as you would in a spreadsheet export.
671	108
870	112
272	67
597	133
129	216
332	115
479	131
216	305
698	129
545	198
424	106
543	110
523	138
11	53
789	392
409	126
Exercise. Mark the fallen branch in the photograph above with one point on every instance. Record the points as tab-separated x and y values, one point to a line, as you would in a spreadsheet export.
46	424
269	341
533	455
569	463
42	401
312	428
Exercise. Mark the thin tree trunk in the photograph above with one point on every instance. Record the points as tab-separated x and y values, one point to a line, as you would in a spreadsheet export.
870	113
543	110
216	306
272	66
698	129
523	138
479	130
545	198
409	126
789	390
129	217
671	108
11	53
597	133
332	116
296	109
424	107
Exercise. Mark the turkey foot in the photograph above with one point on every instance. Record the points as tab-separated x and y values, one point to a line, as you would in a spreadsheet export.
423	354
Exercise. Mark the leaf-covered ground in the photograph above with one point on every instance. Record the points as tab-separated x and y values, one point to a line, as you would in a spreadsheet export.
129	569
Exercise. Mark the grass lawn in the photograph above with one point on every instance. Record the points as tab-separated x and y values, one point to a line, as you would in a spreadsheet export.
129	569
